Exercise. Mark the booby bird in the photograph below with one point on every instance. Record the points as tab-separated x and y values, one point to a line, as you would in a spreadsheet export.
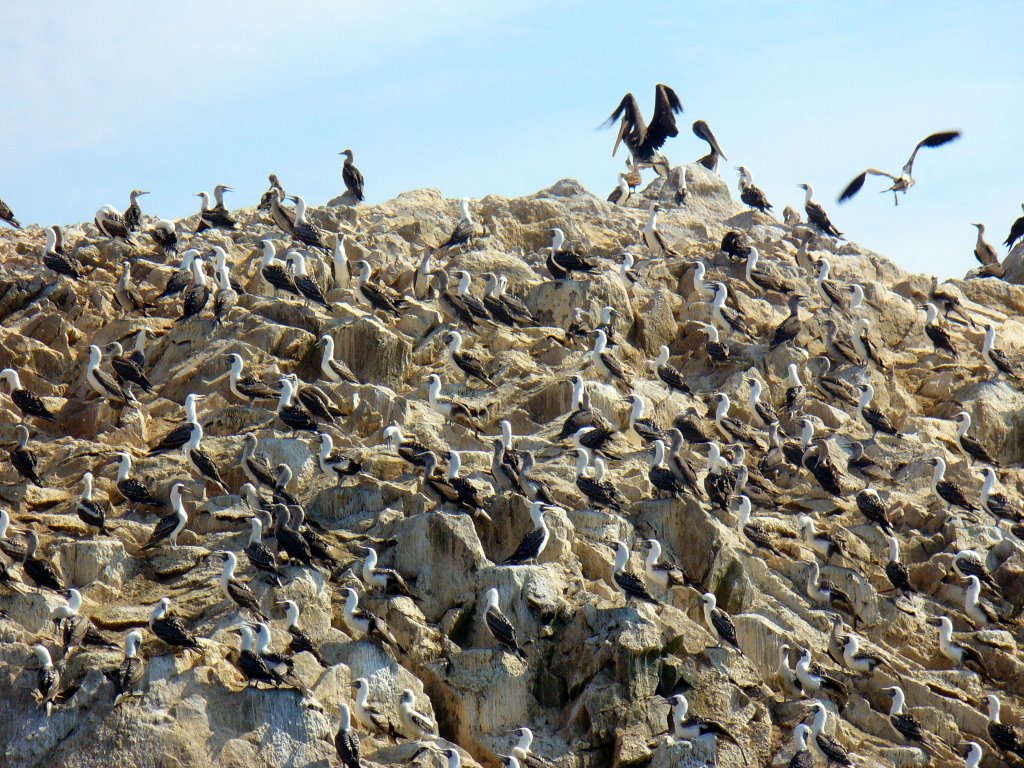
74	629
874	418
631	585
655	241
686	727
201	461
412	451
621	193
970	447
281	215
1005	737
581	414
762	409
963	656
377	297
856	660
214	217
995	503
111	223
561	264
984	251
198	295
948	491
387	580
7	215
306	233
905	180
169	526
751	194
787	678
599	491
703	288
47	679
127	370
826	747
365	623
468	362
829	290
816	215
996	358
906	724
181	277
978	611
802	756
255	465
259	556
128	678
315	400
165	236
756	532
717	484
668	374
352	176
725	318
279	663
516	306
268	196
895	570
684	471
13	549
500	627
863	346
289	540
826	592
535	540
967	562
452	303
102	382
718	351
813	679
346	741
1016	231
710	161
56	260
661	476
718	622
171	629
464	230
731	429
370	717
306	285
817	461
248	387
226	297
662	572
496	308
90	512
29	403
294	416
763	279
252	665
335	462
825	544
415	724
340	271
940	337
473	303
39	571
133	213
274	273
23	458
644	140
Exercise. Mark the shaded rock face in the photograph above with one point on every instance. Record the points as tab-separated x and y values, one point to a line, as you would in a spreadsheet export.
598	668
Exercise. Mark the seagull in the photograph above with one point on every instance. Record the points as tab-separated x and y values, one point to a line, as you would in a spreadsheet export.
500	627
905	180
816	215
644	140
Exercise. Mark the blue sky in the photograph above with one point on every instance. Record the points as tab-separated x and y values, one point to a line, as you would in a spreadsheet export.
503	97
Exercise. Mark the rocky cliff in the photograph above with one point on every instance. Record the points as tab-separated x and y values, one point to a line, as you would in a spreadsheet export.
597	668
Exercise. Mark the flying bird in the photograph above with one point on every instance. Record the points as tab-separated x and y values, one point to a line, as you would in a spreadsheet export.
905	180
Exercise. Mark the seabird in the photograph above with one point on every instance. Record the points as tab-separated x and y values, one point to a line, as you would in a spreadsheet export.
996	358
7	215
378	297
862	464
904	180
703	288
415	724
128	679
91	512
751	194
111	223
718	622
581	414
996	503
200	461
762	279
305	284
57	261
47	679
939	335
535	540
829	290
857	661
1005	737
468	362
599	491
388	580
259	556
500	627
281	215
364	622
948	491
215	217
864	346
663	478
971	448
39	571
606	323
198	295
816	215
279	663
473	303
802	757
645	429
165	236
340	270
669	375
813	678
595	439
977	610
102	382
346	741
74	629
256	466
717	484
248	387
23	458
496	308
452	303
756	532
171	629
695	727
127	370
718	351
251	664
412	451
295	417
1016	231
830	750
907	725
875	419
896	571
825	592
371	718
29	403
275	274
169	526
825	544
763	409
268	196
710	161
226	297
663	573
817	461
967	562
731	429
289	540
335	462
680	467
621	193
963	656
516	306
463	231
352	176
644	140
984	251
133	214
631	585
561	264
725	318
653	237
306	233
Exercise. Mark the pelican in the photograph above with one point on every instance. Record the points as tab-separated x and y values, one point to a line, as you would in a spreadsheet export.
710	161
644	140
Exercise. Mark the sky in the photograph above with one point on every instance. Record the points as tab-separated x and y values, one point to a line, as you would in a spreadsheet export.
498	97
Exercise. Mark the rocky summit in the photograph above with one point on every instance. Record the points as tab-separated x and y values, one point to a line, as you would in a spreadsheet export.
748	512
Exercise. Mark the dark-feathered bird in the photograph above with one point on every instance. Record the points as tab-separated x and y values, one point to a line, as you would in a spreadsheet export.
710	161
352	176
816	215
905	179
644	140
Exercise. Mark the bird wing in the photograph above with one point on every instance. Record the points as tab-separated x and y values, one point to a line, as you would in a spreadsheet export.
162	529
663	123
632	127
1016	232
935	140
702	131
854	186
502	629
721	621
527	546
634	586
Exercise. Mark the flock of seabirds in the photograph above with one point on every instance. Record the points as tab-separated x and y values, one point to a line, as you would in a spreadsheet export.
724	464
